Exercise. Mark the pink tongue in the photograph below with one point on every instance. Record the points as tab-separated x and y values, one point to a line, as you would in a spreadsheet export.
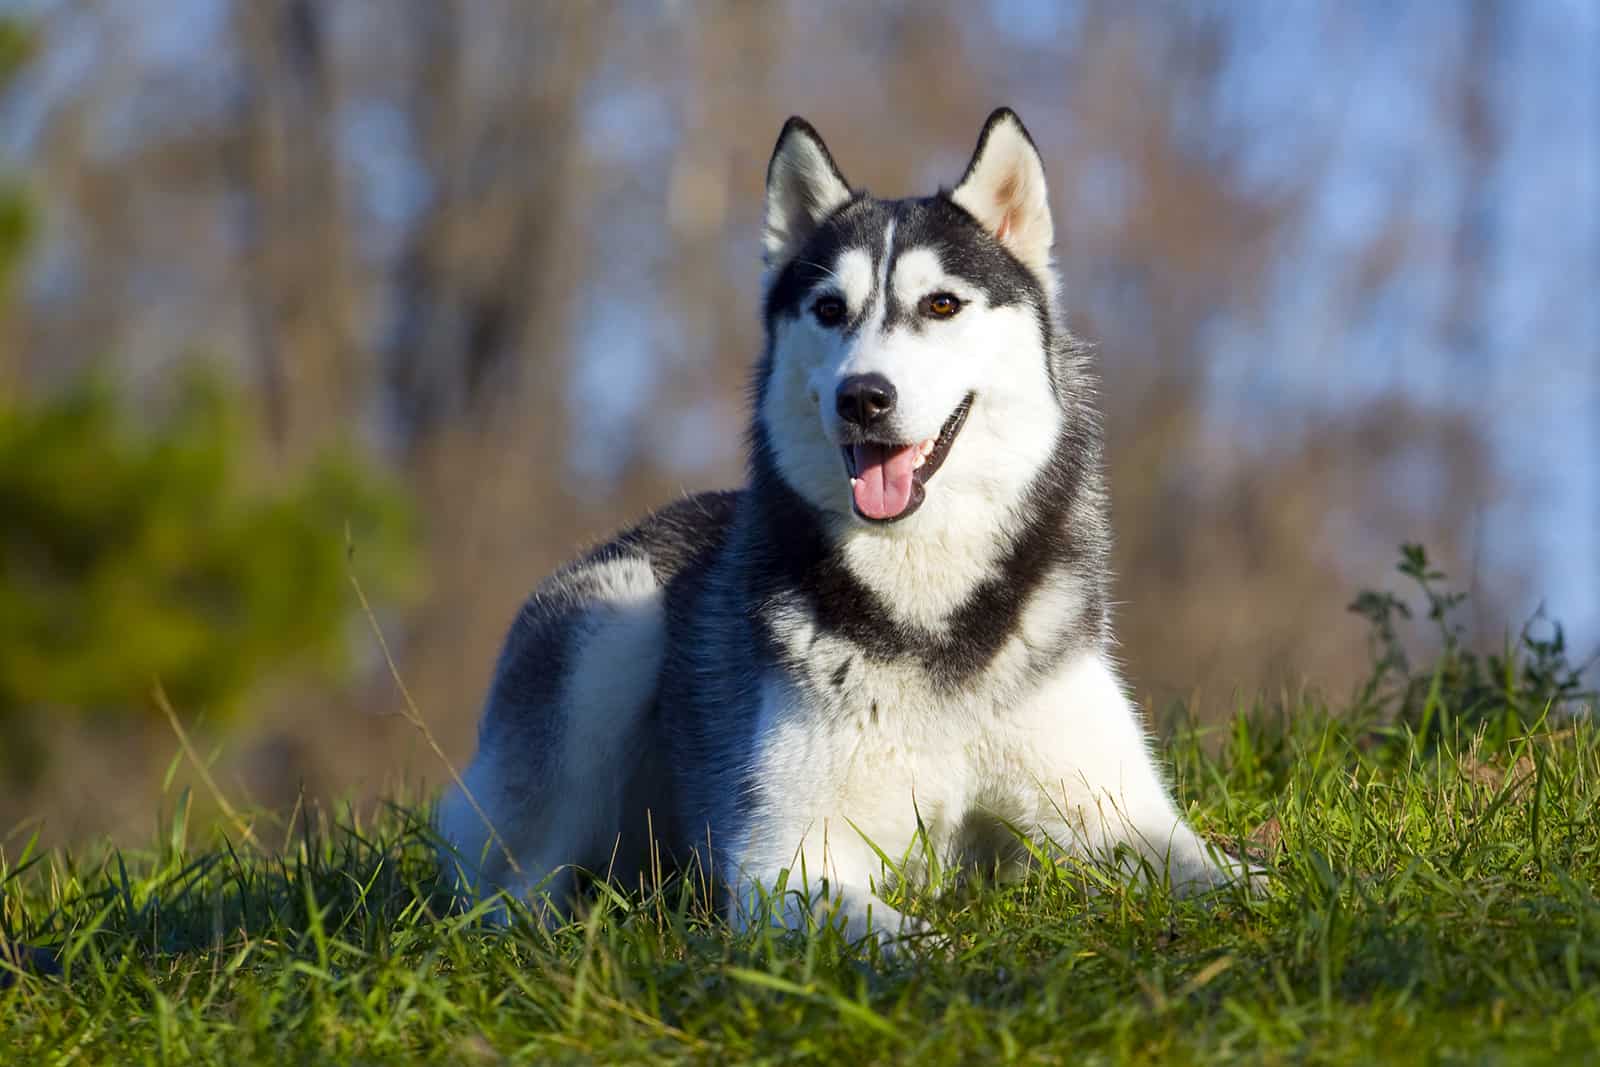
883	479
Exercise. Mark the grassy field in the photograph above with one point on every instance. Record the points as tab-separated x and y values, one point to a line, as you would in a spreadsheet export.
1430	903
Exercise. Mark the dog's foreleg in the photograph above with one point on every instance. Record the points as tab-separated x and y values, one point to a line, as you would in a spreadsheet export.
827	885
793	904
1104	793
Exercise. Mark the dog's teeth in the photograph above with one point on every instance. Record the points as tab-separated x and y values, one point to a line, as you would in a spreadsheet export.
920	461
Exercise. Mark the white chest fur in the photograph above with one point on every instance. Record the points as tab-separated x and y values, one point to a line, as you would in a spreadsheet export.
846	774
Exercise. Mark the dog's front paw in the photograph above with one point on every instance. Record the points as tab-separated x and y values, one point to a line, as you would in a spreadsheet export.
870	920
1209	869
904	935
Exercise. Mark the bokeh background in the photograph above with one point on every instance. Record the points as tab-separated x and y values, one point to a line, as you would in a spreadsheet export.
430	292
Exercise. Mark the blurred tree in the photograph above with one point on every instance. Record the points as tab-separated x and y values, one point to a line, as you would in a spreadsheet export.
15	221
1230	520
289	225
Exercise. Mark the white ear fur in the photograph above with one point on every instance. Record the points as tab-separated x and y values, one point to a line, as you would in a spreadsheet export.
1004	190
803	188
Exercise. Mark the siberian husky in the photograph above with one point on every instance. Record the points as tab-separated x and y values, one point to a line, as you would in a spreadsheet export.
894	640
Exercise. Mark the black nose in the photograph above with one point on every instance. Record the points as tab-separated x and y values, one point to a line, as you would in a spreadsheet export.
864	399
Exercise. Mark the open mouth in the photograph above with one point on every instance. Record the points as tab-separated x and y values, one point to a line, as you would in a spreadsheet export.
887	480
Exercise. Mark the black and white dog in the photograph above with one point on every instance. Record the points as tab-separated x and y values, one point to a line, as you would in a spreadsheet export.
898	627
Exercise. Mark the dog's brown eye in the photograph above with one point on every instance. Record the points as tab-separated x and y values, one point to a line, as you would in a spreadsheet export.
940	305
829	310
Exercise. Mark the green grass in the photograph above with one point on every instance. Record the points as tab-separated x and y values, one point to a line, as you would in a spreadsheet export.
1426	906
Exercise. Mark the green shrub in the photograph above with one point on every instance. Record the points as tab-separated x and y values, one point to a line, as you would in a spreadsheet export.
135	553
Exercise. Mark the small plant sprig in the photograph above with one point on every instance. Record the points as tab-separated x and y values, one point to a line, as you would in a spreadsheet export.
1509	691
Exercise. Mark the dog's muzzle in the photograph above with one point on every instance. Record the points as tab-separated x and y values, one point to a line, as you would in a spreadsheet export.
888	480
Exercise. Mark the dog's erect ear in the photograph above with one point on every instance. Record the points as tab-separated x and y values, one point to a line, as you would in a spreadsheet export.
1004	190
803	188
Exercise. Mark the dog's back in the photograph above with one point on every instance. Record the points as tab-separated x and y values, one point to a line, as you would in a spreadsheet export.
571	713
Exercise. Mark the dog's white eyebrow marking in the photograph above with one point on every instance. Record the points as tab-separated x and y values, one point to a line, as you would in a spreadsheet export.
882	307
853	273
917	273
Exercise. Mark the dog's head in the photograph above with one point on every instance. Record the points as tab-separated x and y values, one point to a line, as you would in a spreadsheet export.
909	339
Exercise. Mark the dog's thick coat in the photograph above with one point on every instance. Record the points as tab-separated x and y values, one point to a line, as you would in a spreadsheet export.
898	627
